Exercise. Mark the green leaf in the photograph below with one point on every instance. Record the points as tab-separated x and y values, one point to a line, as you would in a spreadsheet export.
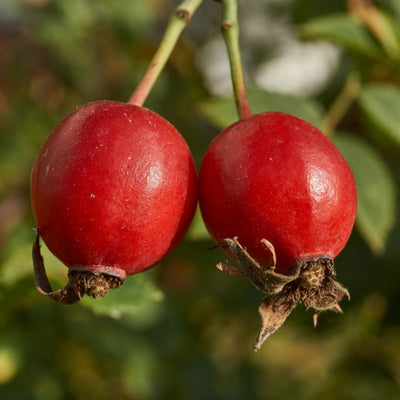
344	31
381	104
375	189
222	112
395	7
391	38
197	230
17	285
19	265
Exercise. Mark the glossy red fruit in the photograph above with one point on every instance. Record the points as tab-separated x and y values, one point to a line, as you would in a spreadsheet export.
113	189
276	193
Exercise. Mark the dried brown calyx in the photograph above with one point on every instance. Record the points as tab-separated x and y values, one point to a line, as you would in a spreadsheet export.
81	282
309	282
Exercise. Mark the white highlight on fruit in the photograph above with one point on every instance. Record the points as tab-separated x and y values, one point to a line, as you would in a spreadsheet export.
154	177
319	183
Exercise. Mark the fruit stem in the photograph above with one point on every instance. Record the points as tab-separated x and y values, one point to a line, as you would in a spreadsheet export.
178	21
230	33
341	105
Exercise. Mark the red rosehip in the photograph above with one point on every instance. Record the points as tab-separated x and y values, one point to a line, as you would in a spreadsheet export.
278	196
113	190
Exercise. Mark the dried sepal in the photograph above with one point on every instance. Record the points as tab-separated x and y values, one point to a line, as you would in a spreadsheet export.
80	282
309	282
263	277
273	310
225	267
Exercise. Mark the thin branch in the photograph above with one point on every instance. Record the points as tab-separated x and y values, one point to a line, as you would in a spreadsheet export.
177	23
230	32
341	105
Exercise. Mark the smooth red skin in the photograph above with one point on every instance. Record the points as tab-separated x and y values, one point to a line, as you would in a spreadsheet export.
277	177
113	189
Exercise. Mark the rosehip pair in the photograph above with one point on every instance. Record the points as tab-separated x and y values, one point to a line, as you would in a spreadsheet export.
114	189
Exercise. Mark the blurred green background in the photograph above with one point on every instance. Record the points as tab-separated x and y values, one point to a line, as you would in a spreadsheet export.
184	330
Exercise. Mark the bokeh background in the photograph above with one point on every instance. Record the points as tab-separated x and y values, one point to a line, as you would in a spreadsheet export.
184	330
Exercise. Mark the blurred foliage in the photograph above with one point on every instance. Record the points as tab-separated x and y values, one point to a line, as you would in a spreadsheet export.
184	330
222	111
375	187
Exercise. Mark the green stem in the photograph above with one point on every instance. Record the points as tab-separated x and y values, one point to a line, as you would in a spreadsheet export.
341	105
230	32
177	23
